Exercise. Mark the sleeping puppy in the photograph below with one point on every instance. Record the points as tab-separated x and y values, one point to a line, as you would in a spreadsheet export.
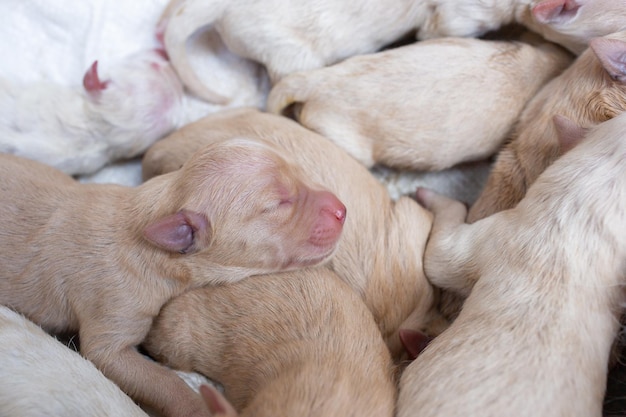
80	129
285	37
590	91
298	343
102	259
42	377
442	101
570	23
382	245
545	283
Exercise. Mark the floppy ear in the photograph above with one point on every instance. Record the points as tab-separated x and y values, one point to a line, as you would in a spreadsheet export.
555	11
612	55
91	81
569	133
183	232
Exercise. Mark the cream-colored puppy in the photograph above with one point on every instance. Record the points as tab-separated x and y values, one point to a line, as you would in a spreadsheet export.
546	290
101	260
285	36
298	343
382	245
590	91
425	106
570	23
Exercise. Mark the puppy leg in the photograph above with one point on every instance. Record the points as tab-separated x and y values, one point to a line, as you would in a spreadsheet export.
449	251
147	382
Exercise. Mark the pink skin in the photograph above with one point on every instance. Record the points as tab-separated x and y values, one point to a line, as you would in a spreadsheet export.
546	11
91	80
414	342
331	219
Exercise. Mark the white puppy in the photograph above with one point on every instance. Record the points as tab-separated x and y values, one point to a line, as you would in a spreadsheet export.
286	36
534	335
571	23
40	376
439	102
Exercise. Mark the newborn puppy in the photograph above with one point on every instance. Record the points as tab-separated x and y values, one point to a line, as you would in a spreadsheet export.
534	335
80	129
431	114
570	23
285	36
590	91
103	259
306	346
40	376
382	245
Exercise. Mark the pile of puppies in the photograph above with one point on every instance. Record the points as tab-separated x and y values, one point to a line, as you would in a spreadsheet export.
261	252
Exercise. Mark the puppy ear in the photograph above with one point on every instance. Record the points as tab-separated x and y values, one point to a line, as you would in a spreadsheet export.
555	11
612	55
569	133
91	81
216	403
183	232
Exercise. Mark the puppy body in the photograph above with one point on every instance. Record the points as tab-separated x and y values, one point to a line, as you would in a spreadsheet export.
103	259
590	91
299	343
534	335
40	376
382	244
570	23
431	115
286	37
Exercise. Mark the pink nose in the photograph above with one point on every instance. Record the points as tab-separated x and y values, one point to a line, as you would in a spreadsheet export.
331	205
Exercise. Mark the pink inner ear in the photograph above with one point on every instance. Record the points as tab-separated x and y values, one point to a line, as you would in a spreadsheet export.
612	55
172	233
550	11
91	80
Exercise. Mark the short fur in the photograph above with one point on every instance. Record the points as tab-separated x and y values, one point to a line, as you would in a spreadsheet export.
570	23
298	343
534	335
441	102
40	376
286	36
381	249
103	259
589	92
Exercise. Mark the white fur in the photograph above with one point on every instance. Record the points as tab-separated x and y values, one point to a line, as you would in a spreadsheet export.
577	23
285	36
534	335
46	115
40	377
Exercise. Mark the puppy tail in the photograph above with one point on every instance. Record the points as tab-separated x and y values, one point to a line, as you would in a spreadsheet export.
188	18
289	94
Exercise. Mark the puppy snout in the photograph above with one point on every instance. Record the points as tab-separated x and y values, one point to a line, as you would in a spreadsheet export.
331	206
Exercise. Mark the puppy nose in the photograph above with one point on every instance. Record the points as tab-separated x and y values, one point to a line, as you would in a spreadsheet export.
331	205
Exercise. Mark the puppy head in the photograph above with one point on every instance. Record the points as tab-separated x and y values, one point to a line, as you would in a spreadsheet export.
136	100
240	204
573	23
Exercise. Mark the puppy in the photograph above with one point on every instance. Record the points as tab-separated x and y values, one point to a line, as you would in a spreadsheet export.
102	259
40	376
570	23
382	244
285	37
81	129
305	345
590	91
430	115
534	335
